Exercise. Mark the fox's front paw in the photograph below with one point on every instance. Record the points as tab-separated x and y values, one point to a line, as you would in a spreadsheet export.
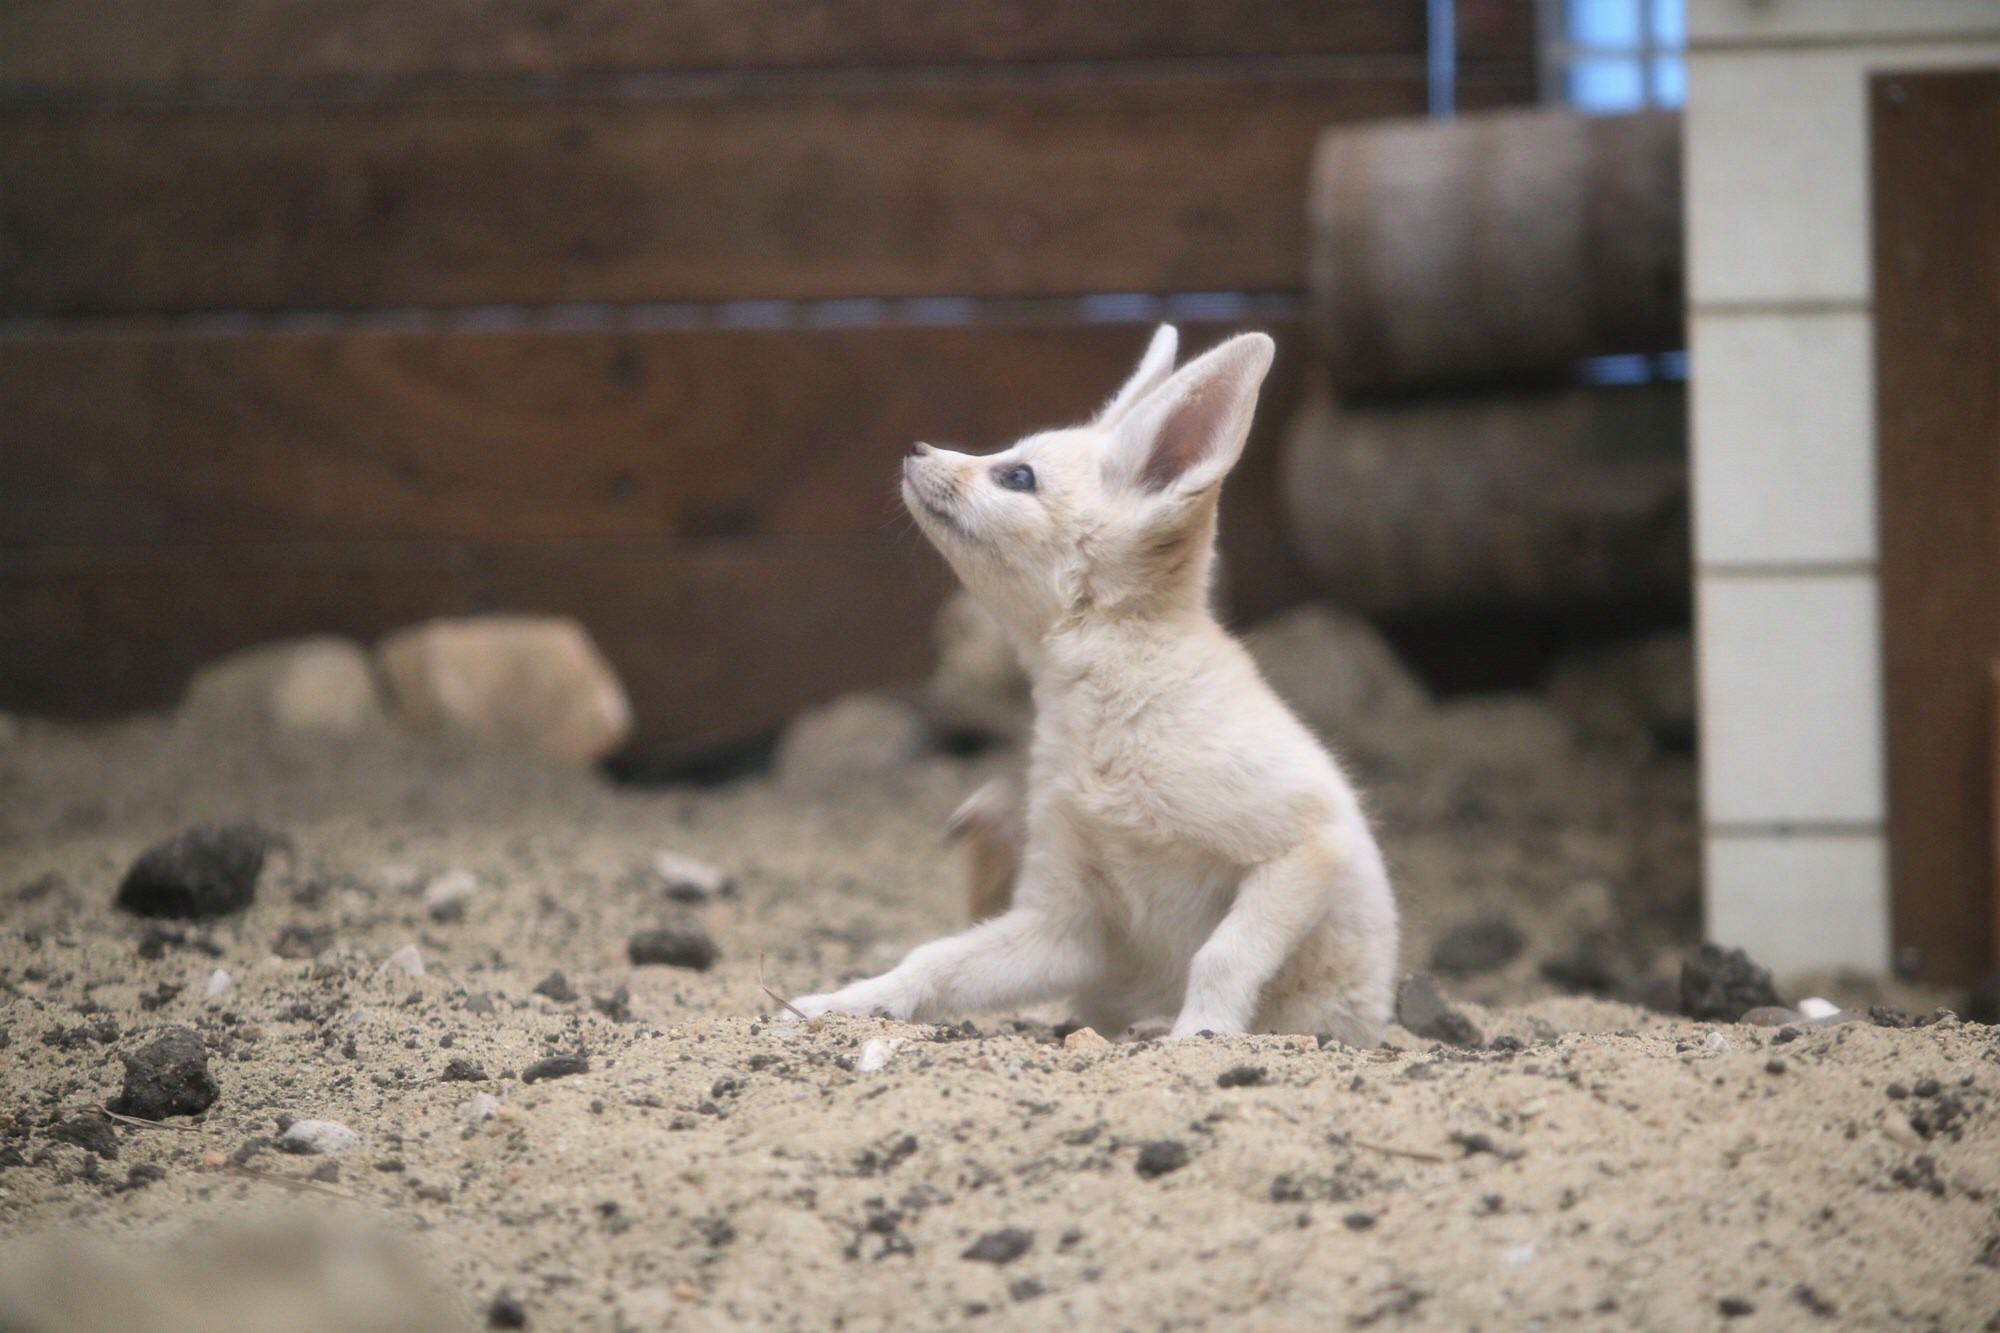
863	999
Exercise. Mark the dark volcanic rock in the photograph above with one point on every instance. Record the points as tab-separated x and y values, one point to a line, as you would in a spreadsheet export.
93	1132
506	1311
460	1070
167	1076
673	946
208	870
1723	984
1242	1076
1422	1008
556	986
1000	1247
1159	1157
1479	945
555	1066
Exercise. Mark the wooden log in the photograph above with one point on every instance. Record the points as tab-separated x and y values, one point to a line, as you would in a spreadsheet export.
1544	501
1495	246
1060	185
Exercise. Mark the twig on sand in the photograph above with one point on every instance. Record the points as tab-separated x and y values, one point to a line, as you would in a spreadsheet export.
1414	1154
287	1182
144	1123
812	1024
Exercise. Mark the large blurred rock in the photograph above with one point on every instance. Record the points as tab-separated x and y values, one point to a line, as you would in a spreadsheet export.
522	680
292	1273
979	687
1337	673
315	686
856	736
1641	692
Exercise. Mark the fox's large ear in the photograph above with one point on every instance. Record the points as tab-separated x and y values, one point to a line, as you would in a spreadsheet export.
1187	433
1154	366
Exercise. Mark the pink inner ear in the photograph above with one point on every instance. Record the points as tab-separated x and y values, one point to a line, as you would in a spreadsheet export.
1188	434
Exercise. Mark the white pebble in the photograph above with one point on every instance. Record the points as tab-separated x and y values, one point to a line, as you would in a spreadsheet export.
1815	1007
220	983
1715	1043
479	1107
687	879
318	1136
451	891
407	960
874	1055
1519	1256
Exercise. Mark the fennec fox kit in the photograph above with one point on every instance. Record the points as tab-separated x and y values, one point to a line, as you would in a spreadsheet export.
1191	849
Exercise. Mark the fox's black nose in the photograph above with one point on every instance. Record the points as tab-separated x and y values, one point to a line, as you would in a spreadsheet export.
917	448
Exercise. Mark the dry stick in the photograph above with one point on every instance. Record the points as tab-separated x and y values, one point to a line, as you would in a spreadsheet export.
795	1010
144	1123
1411	1153
273	1178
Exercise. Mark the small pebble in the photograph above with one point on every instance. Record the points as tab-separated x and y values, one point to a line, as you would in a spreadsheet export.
688	880
317	1137
555	1066
1242	1076
556	986
446	897
1160	1157
478	1108
208	870
506	1311
1715	1043
458	1069
673	946
1084	1039
220	983
167	1076
1000	1247
873	1056
1815	1007
408	960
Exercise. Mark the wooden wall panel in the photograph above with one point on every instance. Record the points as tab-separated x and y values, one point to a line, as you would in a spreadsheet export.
105	45
718	507
1188	182
712	644
1936	155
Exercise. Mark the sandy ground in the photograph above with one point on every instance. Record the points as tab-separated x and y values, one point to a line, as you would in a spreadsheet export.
1593	1162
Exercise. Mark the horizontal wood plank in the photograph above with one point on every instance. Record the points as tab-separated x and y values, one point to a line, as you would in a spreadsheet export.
83	45
1051	186
166	440
712	645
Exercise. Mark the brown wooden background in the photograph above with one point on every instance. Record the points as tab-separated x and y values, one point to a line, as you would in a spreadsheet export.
1936	154
343	313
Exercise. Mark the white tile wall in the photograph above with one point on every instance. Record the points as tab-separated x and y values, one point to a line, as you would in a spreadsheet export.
1790	20
1784	438
1777	167
1800	902
1791	698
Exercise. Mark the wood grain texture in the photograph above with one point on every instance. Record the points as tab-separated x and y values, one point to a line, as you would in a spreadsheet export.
1188	182
1936	204
717	507
105	45
158	439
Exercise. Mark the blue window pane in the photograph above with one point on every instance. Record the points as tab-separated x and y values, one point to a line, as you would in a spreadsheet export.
1670	22
1670	81
1612	23
1598	83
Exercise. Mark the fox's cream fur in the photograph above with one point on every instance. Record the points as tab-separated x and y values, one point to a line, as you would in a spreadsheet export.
1191	849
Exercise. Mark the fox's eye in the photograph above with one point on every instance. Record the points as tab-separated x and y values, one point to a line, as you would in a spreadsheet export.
1020	477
